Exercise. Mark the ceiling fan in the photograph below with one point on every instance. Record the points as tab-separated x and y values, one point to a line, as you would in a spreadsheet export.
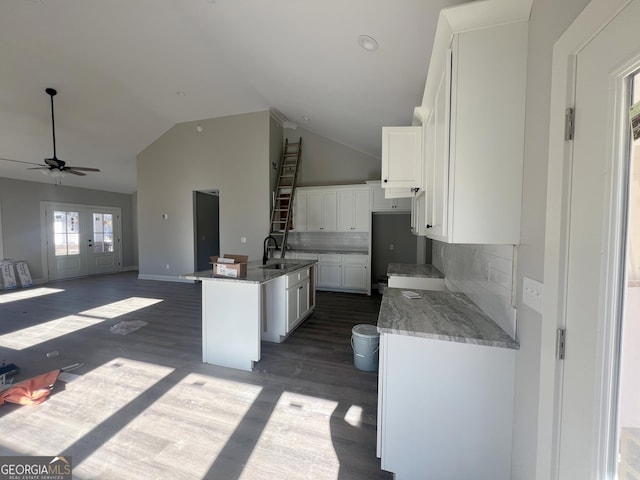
54	165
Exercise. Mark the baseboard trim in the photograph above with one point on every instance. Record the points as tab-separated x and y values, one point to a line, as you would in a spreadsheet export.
164	278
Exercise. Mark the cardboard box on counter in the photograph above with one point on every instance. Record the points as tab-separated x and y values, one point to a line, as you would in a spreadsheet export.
233	266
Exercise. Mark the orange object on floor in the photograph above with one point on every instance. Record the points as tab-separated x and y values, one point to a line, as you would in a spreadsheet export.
32	391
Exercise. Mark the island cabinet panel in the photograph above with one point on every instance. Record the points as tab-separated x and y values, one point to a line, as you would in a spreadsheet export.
445	408
288	300
234	343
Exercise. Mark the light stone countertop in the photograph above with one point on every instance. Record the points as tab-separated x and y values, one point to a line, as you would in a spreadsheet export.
413	270
440	315
337	251
255	272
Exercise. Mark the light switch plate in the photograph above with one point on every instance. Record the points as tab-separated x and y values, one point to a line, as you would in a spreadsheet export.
533	294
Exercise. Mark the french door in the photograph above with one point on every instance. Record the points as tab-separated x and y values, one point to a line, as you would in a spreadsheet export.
81	240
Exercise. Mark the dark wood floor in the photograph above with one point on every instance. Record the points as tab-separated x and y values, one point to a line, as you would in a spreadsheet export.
144	406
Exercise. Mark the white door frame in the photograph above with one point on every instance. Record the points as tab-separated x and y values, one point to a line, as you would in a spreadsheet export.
43	230
591	20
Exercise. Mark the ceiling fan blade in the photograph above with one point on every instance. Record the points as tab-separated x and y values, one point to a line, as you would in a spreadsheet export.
20	161
86	169
39	168
75	172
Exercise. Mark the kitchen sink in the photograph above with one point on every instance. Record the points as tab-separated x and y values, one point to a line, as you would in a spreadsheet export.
276	266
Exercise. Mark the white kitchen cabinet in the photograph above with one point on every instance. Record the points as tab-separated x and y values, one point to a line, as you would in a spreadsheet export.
300	210
287	301
402	157
297	303
355	272
445	408
476	94
354	214
338	208
380	203
329	271
348	272
321	211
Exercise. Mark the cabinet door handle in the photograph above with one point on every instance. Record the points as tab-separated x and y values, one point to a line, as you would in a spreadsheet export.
385	180
429	226
299	288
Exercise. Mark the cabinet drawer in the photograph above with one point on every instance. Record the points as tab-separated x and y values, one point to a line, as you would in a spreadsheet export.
355	259
296	277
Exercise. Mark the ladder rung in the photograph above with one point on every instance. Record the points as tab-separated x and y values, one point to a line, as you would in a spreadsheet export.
290	154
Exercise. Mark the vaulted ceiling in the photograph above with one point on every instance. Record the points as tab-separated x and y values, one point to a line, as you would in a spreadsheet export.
128	70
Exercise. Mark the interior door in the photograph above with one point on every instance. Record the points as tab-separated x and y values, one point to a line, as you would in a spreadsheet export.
593	271
81	240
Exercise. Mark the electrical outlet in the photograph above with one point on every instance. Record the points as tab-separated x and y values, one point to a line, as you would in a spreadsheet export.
167	267
533	294
243	239
391	246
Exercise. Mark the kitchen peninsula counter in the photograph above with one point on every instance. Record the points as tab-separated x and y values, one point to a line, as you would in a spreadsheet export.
445	388
440	315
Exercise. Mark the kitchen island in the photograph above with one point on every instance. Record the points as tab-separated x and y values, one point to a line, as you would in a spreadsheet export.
268	303
446	387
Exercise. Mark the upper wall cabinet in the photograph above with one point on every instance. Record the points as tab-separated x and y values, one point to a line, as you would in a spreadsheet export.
380	203
354	212
474	134
402	157
343	208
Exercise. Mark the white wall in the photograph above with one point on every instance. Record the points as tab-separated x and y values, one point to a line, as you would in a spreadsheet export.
21	218
325	162
232	155
549	19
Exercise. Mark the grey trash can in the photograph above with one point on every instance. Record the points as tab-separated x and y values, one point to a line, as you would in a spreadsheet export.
365	341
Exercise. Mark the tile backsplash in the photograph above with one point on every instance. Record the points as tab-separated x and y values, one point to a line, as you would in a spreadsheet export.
346	241
485	274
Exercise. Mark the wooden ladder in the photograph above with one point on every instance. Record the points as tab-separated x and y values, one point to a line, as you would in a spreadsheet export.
281	214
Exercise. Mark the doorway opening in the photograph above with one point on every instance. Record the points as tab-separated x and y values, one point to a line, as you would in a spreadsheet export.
206	221
628	414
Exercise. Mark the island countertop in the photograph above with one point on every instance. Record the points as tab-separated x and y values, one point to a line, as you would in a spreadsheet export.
440	315
255	272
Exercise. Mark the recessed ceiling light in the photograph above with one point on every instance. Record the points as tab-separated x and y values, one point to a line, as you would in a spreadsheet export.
180	93
368	43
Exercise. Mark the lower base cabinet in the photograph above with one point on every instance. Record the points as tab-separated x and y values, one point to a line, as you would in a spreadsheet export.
286	302
444	409
349	273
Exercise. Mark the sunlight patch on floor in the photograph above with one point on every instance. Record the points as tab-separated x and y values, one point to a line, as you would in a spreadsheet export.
26	294
202	410
299	433
70	414
122	307
354	416
44	332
